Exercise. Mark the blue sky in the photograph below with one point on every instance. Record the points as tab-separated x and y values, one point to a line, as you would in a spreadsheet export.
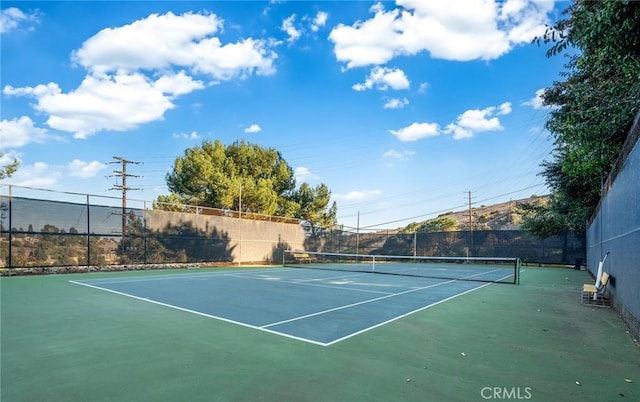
400	108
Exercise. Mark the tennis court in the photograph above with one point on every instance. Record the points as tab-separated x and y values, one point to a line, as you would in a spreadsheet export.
317	306
68	342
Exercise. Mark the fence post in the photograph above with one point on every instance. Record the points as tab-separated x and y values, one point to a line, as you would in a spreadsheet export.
88	232
10	259
145	215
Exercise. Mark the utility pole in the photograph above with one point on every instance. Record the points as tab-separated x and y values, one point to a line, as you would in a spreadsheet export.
123	187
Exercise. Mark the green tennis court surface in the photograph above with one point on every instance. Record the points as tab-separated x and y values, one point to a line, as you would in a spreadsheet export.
65	342
317	306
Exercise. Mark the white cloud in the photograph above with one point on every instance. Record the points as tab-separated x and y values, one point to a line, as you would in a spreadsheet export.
423	87
254	128
417	131
303	174
290	29
357	195
12	17
104	102
537	101
466	125
319	21
131	78
523	18
192	136
384	78
19	132
392	153
396	103
476	121
368	42
504	109
177	84
39	90
85	170
459	30
38	175
185	41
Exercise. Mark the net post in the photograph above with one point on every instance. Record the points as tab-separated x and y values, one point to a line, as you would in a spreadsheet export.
373	264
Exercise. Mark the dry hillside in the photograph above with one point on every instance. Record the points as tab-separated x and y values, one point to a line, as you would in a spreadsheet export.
501	216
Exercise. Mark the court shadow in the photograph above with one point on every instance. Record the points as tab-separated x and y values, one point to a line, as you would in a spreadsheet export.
177	243
277	252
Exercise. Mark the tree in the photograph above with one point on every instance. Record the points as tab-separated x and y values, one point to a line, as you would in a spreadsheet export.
540	219
8	170
245	177
242	176
131	248
439	224
172	202
313	203
443	224
593	108
48	228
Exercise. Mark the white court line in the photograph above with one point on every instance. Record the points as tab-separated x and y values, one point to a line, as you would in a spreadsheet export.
381	298
332	277
265	328
404	315
280	280
164	277
355	304
201	314
350	275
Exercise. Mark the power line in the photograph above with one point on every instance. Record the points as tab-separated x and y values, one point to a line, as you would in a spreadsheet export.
425	215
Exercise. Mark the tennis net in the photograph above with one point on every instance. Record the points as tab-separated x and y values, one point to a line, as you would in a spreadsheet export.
482	269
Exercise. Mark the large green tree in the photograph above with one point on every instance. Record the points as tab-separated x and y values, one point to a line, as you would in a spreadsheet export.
248	178
241	176
592	108
314	206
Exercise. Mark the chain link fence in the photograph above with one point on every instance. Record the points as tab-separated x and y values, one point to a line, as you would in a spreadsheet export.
74	230
568	248
615	228
36	232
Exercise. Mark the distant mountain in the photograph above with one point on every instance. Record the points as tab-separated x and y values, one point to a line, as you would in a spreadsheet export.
503	216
